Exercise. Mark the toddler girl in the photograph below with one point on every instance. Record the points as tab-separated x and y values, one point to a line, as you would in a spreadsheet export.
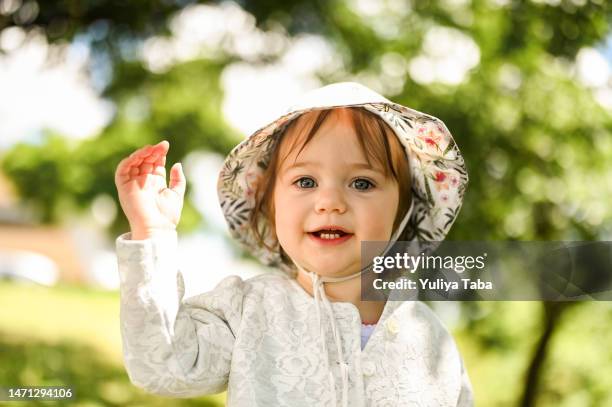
344	165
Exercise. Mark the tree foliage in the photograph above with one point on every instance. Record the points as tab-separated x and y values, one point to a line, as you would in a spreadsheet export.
536	142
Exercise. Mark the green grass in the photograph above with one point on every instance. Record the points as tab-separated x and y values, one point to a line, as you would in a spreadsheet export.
70	336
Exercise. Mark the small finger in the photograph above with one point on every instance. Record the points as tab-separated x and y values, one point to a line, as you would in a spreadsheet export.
141	151
126	168
159	170
149	155
164	144
146	168
137	157
159	149
178	182
159	166
153	157
160	161
123	168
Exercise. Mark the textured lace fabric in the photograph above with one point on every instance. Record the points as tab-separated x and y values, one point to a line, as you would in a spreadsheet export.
260	340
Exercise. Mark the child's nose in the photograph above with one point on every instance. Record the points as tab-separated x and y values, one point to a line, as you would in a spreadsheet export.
329	200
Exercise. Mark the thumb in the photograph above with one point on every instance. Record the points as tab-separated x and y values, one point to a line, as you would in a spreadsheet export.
177	179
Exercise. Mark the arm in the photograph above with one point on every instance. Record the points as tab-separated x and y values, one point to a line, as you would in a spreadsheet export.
173	347
466	396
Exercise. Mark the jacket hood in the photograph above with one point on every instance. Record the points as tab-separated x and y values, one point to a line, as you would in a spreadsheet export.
438	172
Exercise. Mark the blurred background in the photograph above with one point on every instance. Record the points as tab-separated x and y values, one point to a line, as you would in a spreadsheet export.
524	86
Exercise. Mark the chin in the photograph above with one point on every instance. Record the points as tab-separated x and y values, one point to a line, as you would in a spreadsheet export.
332	269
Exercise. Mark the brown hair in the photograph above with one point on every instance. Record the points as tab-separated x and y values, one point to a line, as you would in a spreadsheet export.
377	141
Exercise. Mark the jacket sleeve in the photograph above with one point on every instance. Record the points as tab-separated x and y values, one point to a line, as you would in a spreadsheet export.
171	346
446	353
466	396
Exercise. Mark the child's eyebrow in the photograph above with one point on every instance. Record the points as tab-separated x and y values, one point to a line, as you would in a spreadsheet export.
303	164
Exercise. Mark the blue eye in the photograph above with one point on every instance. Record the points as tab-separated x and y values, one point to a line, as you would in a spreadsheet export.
305	182
362	184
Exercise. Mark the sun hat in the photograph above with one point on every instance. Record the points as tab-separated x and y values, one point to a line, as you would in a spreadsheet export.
438	172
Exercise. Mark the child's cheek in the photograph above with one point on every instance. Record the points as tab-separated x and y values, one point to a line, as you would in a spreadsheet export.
283	220
381	231
281	229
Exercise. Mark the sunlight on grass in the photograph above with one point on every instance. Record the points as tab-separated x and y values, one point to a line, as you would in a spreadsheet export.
62	313
70	336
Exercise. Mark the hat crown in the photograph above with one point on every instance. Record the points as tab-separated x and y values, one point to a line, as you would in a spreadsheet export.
337	94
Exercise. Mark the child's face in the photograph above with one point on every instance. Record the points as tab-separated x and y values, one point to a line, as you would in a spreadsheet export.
330	184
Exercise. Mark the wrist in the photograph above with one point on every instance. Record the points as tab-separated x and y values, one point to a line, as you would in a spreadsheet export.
144	234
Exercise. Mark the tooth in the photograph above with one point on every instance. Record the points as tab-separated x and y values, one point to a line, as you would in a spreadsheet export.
330	236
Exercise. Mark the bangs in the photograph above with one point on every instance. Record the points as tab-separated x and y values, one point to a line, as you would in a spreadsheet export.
378	142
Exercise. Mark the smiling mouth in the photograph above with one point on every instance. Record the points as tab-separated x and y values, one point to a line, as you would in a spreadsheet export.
330	234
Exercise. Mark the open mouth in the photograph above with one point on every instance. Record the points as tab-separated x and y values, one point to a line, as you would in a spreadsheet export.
330	235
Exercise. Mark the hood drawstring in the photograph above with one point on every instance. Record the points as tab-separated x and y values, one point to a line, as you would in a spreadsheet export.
320	297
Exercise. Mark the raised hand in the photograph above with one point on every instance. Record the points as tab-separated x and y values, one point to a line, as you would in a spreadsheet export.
149	204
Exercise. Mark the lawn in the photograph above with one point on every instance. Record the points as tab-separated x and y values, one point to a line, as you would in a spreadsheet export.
69	336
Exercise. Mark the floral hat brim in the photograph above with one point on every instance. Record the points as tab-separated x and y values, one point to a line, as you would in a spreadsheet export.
439	175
